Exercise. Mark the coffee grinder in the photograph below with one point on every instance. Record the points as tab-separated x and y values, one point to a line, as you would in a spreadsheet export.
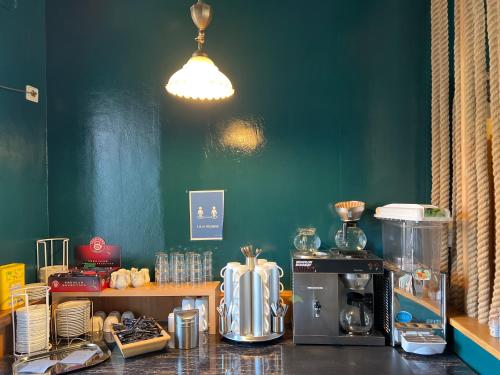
334	296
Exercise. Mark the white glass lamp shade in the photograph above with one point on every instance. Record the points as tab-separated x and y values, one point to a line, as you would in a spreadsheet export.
200	79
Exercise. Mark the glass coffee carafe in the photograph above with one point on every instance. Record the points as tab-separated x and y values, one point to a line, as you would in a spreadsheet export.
306	240
357	318
350	237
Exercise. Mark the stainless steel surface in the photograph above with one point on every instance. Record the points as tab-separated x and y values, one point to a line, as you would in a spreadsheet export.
309	289
350	210
254	285
257	305
228	287
356	281
58	353
443	282
246	304
186	329
224	323
250	262
336	254
274	285
278	324
250	338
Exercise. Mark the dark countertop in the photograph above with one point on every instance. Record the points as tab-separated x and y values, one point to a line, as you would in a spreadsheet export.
215	356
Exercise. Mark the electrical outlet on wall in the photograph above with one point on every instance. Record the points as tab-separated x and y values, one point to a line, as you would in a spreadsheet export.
31	94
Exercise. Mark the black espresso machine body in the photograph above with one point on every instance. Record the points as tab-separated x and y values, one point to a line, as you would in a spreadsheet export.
321	292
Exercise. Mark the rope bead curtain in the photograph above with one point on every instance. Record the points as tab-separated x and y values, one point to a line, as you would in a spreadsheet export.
472	178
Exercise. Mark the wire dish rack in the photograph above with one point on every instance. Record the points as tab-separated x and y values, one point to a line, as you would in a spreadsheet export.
45	250
71	321
31	322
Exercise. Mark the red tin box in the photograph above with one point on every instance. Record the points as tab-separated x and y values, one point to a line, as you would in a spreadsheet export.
77	280
98	254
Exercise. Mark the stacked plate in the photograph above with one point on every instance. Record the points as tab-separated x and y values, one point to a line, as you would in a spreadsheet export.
36	292
45	272
73	318
32	328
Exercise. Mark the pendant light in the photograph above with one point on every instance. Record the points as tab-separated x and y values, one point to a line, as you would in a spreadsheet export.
200	78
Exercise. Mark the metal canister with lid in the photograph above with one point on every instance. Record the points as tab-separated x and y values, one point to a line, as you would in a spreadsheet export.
186	329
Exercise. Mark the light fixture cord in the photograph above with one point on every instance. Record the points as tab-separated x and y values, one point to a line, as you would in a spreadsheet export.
32	93
12	89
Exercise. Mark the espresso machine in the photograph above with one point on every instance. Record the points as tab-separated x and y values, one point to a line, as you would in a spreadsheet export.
334	295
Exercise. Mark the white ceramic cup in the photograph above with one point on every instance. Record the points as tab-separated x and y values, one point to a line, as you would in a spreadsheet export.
233	265
108	323
188	303
202	305
96	323
262	271
127	315
102	314
274	264
116	314
145	272
171	322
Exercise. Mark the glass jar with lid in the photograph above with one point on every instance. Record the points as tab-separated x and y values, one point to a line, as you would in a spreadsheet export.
306	240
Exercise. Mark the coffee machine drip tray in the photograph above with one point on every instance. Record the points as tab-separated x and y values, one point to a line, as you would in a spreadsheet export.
336	261
373	339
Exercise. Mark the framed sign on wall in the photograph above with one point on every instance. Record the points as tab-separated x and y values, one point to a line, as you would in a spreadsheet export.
206	214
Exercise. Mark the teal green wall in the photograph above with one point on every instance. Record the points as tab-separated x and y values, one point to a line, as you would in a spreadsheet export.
23	162
476	357
341	90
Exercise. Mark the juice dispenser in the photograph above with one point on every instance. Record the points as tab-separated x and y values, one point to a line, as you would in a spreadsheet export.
413	236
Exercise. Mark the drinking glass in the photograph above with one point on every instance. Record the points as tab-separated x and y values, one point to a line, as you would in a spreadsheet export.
196	270
162	268
188	259
178	268
207	266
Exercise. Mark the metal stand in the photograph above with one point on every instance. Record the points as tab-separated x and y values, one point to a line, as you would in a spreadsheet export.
49	244
248	317
69	341
251	339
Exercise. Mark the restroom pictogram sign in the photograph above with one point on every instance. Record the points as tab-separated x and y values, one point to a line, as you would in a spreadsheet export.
206	212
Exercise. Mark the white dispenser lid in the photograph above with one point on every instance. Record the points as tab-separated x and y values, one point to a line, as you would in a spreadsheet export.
413	212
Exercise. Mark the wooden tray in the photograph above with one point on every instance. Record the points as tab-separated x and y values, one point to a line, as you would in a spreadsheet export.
144	346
